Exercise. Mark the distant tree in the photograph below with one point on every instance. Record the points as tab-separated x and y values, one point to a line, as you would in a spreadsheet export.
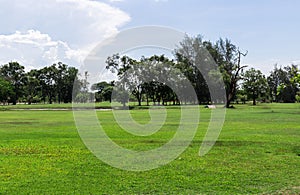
103	91
48	78
6	90
122	65
282	87
276	77
189	56
227	56
32	88
241	95
15	74
160	72
106	93
71	84
83	94
255	84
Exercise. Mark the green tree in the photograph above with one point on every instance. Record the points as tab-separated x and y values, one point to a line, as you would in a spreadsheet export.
123	66
32	87
6	90
70	84
255	84
47	77
190	55
228	57
106	93
15	74
103	91
282	87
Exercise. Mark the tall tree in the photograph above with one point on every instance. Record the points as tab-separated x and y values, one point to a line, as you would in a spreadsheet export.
189	56
229	60
227	56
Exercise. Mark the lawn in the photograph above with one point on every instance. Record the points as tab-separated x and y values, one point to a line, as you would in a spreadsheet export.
258	152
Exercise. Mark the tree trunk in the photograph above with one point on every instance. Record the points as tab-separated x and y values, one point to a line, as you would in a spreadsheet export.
228	103
254	98
147	99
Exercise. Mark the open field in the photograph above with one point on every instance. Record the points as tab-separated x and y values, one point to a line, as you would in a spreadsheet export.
258	152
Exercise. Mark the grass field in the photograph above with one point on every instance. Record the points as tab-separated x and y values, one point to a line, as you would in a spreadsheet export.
258	152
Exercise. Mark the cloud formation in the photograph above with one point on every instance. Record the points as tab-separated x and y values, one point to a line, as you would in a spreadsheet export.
38	33
34	50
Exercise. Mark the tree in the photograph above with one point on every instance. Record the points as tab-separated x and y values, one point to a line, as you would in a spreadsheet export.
126	76
189	57
282	87
228	57
32	87
71	84
255	84
107	92
47	77
15	74
6	90
156	74
103	89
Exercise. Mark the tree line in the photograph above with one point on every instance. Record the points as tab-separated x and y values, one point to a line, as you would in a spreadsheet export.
241	85
60	83
55	83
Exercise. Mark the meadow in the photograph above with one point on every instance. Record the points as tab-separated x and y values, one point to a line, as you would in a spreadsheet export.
258	152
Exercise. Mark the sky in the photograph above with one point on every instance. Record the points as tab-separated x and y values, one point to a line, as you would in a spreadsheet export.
38	33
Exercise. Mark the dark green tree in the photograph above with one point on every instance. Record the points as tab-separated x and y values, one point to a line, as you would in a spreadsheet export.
103	91
15	74
6	90
48	78
282	88
189	56
32	88
255	84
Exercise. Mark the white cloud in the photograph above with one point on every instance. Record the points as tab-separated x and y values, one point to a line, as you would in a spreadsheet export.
34	50
63	29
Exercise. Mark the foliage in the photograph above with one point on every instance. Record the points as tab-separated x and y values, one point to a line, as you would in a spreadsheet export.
57	82
147	78
189	55
226	55
15	74
255	84
6	91
282	87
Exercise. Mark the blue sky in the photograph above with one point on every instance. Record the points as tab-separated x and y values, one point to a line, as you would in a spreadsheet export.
267	29
39	33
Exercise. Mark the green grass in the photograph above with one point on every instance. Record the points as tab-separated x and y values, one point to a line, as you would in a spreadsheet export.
258	152
49	106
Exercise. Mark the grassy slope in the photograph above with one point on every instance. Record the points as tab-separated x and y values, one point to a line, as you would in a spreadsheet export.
257	152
